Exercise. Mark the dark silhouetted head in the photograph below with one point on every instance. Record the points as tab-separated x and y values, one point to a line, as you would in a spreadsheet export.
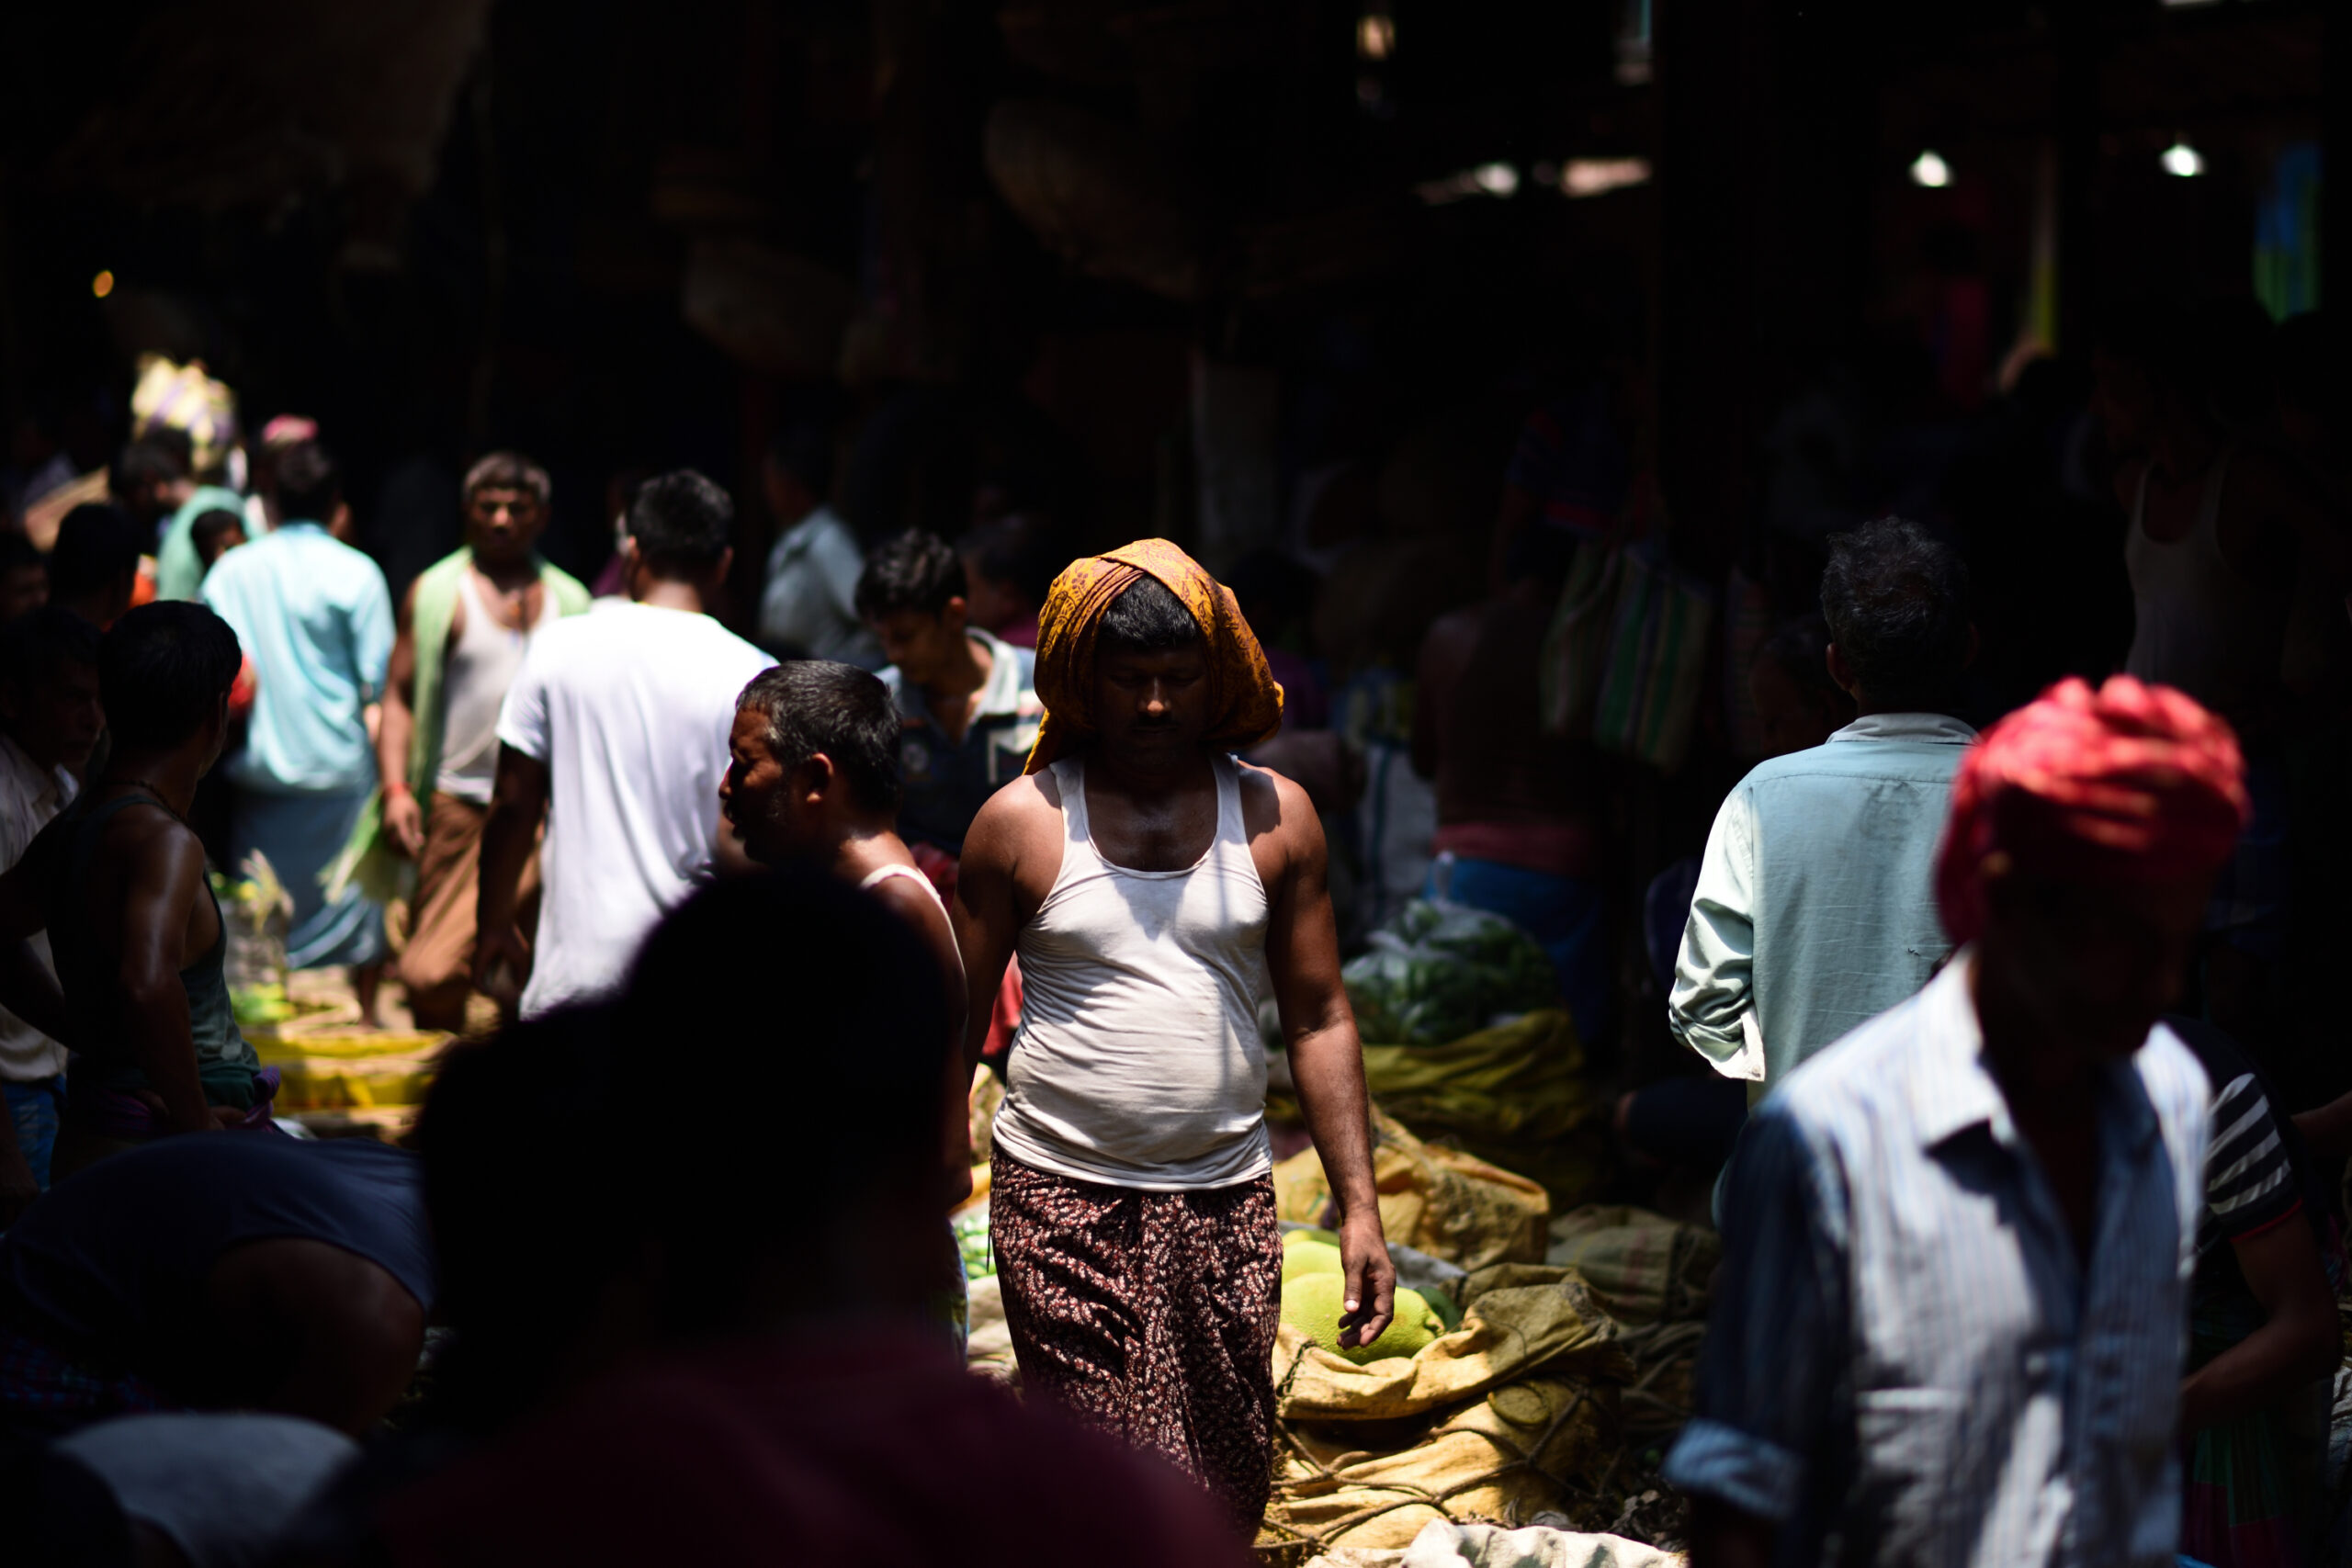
681	524
94	563
1897	603
165	670
310	485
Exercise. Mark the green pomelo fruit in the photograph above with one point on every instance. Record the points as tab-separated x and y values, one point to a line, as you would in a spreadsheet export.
1413	1325
1311	1257
1301	1237
1311	1304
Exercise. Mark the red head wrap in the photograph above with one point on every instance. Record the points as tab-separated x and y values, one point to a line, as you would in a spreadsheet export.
2130	784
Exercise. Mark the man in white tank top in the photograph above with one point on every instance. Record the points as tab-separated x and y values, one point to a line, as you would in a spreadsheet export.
1145	877
464	626
812	776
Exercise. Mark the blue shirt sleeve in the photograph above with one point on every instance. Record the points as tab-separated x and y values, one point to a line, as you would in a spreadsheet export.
1773	1358
371	634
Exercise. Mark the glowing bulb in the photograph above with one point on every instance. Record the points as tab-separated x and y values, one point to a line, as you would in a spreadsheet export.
2183	160
1495	179
102	285
1375	37
1928	169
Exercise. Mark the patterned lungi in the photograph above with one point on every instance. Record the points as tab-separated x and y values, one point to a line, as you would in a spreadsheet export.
1151	1316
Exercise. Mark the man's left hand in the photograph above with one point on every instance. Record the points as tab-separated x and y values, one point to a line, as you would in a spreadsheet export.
1369	1300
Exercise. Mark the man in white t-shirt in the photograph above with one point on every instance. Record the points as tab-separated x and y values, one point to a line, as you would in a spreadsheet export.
616	731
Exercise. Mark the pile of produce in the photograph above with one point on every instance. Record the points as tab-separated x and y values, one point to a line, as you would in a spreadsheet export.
1441	971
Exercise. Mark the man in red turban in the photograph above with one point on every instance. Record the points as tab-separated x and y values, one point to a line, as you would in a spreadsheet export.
1957	1242
1146	879
2086	829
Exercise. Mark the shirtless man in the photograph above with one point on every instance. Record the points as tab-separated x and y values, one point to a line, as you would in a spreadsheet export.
118	882
464	628
2238	573
1145	877
2225	543
1515	829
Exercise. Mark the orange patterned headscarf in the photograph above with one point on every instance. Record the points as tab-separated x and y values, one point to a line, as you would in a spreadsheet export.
2130	784
1245	704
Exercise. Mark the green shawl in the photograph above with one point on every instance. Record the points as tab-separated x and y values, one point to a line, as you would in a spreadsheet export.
436	609
378	868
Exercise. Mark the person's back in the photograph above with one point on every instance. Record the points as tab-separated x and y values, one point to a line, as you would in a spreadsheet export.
1949	1324
1816	904
111	1261
119	883
316	619
632	705
1493	762
97	858
1515	833
616	729
221	1272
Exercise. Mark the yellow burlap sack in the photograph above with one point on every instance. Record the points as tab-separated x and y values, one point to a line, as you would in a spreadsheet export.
1518	1319
1526	1448
1514	1096
1644	1267
1451	1205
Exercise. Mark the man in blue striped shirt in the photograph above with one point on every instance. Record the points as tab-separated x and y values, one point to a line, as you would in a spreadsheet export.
1952	1306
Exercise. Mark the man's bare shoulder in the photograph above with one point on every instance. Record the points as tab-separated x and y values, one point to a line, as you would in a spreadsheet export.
1273	803
1026	802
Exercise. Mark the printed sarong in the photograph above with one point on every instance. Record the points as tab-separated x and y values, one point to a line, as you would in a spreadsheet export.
1151	1316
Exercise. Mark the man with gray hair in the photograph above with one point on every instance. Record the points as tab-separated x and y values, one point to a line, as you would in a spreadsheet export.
464	628
1815	907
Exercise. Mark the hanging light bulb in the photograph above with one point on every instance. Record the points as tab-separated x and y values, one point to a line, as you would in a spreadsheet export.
2182	159
1928	169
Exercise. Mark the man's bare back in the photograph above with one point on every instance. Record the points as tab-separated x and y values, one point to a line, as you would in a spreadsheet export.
1475	729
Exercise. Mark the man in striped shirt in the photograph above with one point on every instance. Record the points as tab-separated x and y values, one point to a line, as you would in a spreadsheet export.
1949	1321
2262	1330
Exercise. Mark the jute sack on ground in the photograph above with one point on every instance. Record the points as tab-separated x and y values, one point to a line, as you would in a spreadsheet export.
1491	1546
1449	1204
1644	1267
1527	1449
1514	1096
1508	1416
1518	1319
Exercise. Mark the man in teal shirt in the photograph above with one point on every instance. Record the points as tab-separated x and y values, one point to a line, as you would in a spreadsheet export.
316	618
1816	909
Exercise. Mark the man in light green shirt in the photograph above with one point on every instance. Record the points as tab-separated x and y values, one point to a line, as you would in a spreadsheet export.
1815	907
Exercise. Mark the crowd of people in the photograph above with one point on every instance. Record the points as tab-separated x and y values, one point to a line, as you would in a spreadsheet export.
2031	1245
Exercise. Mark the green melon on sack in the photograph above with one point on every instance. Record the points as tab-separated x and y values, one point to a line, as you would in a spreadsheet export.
1311	1257
1305	1233
1311	1304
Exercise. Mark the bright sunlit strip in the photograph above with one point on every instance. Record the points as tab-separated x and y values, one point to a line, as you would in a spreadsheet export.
1375	37
1599	176
1928	169
102	285
2183	160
